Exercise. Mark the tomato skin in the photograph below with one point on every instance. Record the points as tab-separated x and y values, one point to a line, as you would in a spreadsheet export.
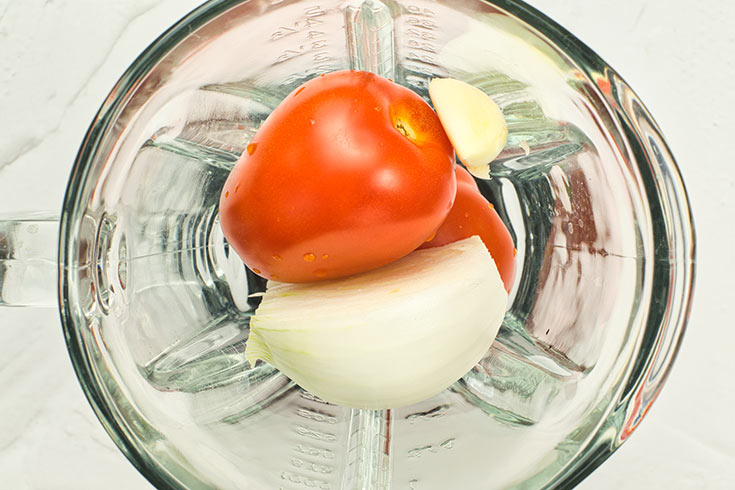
331	184
464	177
471	215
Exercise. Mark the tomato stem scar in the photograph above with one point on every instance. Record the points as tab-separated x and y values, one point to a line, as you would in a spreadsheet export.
404	129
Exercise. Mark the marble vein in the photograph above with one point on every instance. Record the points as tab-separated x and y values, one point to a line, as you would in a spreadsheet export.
34	142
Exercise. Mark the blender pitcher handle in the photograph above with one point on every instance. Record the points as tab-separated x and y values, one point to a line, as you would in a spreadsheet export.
28	260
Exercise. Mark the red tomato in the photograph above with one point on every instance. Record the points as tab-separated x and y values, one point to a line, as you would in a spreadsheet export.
464	177
471	215
349	173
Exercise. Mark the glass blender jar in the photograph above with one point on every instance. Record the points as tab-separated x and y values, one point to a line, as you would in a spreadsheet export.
156	306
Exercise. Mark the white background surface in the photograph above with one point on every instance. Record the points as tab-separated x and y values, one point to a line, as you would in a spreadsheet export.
58	60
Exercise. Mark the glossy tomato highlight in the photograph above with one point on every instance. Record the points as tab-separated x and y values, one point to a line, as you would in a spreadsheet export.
349	173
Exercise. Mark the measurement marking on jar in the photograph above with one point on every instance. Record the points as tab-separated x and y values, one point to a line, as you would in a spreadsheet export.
308	21
287	55
448	444
315	434
423	58
312	398
312	465
315	452
418	451
423	46
422	37
305	480
315	45
419	34
322	469
434	413
315	11
283	32
316	416
311	41
431	448
422	23
421	11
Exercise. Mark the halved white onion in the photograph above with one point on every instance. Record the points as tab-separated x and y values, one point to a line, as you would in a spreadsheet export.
385	338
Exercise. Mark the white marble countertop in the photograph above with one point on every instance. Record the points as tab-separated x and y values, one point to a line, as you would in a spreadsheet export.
58	60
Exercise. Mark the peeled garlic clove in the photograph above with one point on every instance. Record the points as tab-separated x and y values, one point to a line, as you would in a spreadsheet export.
474	123
480	171
385	338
